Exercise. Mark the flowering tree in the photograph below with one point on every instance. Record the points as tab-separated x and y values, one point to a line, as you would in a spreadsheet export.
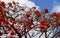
17	20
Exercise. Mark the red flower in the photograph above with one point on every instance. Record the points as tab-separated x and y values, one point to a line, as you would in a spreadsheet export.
42	26
10	4
2	4
17	29
12	33
3	11
11	20
45	10
53	14
58	22
28	14
13	2
1	18
29	22
37	12
20	21
43	21
15	21
25	24
58	14
47	25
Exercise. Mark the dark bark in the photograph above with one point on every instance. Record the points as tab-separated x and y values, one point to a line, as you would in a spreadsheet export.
46	33
25	32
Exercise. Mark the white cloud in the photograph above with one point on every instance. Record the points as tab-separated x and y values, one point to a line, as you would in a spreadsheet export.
56	7
26	2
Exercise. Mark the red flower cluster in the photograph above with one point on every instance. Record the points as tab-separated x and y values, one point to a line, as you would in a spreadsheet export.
37	13
17	29
58	14
29	22
20	21
45	10
58	21
44	24
10	4
28	14
1	18
2	4
53	14
13	2
12	33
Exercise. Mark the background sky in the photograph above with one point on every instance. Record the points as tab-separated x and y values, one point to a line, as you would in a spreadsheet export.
46	4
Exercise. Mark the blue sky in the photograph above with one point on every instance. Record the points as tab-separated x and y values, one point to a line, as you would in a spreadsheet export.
45	4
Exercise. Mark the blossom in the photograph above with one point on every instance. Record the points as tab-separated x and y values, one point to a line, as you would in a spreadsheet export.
1	18
21	21
12	33
42	26
53	14
10	4
43	21
37	13
13	2
45	10
2	4
28	14
29	22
